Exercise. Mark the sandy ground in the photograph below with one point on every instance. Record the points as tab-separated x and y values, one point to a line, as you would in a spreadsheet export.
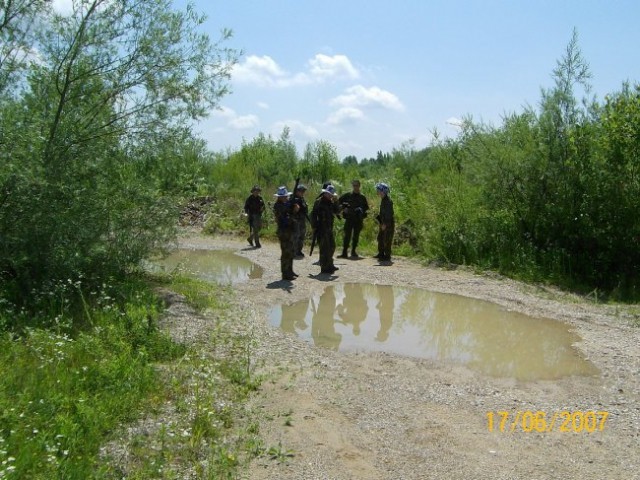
331	415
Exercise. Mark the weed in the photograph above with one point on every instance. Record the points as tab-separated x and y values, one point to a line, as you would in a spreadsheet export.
278	453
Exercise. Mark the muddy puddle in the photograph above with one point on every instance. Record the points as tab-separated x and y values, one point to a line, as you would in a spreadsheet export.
219	266
444	327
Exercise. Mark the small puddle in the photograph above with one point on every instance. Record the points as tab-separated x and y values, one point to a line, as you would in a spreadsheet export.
219	266
445	327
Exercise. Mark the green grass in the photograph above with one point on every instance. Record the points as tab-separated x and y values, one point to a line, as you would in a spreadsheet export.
72	398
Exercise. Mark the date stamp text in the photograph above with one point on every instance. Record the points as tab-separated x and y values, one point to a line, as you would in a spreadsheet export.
539	421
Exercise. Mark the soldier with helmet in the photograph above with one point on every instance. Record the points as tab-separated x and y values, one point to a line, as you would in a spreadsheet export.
324	209
386	222
285	210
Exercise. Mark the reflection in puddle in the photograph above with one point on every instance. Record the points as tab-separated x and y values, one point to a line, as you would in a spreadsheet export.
419	323
220	266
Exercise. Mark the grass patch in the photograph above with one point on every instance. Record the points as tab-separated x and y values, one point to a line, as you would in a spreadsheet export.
118	398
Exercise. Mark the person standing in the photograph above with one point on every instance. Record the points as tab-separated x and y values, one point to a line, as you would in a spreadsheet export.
301	220
254	207
324	209
354	209
386	222
284	210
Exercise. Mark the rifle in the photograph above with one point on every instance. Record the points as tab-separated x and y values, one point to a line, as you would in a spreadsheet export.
295	199
314	239
295	187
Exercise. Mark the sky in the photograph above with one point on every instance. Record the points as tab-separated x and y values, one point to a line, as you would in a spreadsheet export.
377	75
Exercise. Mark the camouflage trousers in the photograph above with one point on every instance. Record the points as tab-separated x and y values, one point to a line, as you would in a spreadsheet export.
385	239
255	224
327	244
286	252
351	226
300	231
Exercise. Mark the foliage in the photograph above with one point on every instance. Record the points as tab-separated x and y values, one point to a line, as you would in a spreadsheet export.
63	391
84	126
320	162
549	195
70	398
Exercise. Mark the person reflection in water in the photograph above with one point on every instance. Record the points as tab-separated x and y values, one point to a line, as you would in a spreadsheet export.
323	329
294	316
353	309
255	271
385	311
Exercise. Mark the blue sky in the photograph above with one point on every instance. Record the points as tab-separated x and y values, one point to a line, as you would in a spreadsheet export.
371	75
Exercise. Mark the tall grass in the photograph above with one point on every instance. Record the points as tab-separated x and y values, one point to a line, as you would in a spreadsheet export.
72	390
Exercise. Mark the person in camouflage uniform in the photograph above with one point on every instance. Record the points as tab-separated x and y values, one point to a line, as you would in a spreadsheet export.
284	210
354	208
254	207
301	220
386	223
324	210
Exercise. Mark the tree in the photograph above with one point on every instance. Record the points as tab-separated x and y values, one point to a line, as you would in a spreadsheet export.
109	80
350	161
18	21
320	161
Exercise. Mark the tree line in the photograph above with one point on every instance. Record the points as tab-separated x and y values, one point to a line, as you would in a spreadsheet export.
552	194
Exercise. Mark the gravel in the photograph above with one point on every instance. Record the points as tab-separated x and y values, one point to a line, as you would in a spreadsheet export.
331	415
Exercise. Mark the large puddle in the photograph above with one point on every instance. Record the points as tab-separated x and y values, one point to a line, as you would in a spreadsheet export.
450	328
219	266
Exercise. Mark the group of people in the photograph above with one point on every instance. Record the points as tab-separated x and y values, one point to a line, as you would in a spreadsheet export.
292	214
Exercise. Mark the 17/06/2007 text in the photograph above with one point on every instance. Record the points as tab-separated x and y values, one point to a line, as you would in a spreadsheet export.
530	421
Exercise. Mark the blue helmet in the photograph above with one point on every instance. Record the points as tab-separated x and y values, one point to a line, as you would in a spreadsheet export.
383	187
329	189
282	192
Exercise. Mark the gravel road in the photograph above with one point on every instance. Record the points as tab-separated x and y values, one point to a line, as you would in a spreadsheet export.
384	416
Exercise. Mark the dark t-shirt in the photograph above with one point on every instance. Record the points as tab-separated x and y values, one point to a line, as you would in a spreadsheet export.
354	205
254	204
386	211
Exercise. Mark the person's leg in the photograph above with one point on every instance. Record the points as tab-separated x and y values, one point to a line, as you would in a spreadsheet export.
332	248
380	243
250	222
348	229
257	226
303	233
327	249
286	255
299	238
357	228
323	246
388	241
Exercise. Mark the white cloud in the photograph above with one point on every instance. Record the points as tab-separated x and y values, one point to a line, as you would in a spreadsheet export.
235	121
359	96
297	128
345	115
264	71
326	67
453	121
244	122
263	105
63	7
225	112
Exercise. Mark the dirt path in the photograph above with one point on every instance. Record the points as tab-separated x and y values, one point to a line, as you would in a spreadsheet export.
382	416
